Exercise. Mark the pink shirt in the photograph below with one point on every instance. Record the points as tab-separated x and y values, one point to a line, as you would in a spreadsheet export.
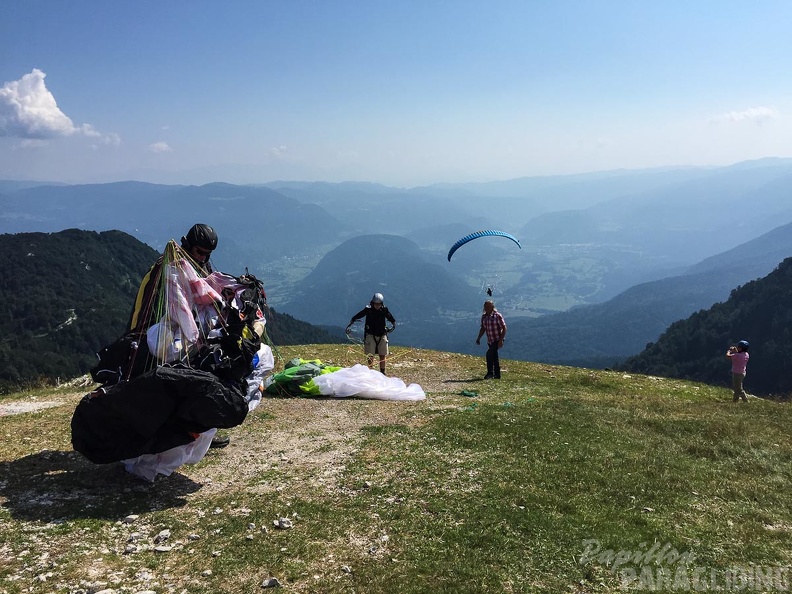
739	362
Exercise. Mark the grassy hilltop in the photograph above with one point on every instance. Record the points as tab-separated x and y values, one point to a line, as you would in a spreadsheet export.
553	479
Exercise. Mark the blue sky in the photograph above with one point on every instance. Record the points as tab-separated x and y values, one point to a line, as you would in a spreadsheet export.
403	93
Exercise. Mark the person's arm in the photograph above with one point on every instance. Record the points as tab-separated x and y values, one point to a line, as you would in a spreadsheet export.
359	315
391	319
480	334
503	332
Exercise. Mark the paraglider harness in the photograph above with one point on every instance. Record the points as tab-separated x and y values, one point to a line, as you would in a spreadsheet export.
229	355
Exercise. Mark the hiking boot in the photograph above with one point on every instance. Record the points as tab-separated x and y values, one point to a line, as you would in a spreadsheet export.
220	441
489	376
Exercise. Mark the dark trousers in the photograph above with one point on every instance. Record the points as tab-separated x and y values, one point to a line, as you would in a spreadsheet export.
493	362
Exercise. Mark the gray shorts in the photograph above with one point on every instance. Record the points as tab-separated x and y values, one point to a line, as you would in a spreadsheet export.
376	345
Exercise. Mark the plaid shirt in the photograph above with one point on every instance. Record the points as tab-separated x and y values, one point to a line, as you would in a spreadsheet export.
494	325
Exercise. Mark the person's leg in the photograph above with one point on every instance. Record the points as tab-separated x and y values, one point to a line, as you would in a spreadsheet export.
382	351
741	388
736	386
369	347
495	362
490	363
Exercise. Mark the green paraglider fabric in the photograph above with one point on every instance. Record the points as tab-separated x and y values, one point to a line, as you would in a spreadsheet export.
297	378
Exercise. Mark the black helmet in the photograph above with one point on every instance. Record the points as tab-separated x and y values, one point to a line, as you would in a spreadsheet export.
378	298
200	235
744	345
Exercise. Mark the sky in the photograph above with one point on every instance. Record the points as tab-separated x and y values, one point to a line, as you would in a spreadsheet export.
403	93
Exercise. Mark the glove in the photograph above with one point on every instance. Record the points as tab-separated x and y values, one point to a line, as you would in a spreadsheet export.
348	329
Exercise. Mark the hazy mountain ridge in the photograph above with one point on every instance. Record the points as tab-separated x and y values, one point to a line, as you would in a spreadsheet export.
693	219
569	259
422	295
255	225
629	232
606	333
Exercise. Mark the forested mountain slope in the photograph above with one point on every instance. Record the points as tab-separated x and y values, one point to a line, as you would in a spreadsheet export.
65	295
759	312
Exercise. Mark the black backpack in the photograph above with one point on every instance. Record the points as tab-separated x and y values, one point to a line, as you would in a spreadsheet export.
123	359
252	296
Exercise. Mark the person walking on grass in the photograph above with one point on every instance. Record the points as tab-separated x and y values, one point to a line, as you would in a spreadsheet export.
375	338
494	326
739	360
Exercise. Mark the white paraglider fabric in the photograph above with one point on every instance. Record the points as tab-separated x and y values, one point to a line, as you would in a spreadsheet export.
362	382
263	363
148	466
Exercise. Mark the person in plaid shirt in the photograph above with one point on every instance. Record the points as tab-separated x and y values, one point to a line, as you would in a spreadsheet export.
493	324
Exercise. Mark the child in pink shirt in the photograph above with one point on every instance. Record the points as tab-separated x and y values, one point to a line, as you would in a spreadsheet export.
739	360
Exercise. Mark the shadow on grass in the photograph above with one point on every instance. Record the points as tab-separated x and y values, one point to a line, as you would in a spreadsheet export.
464	381
57	485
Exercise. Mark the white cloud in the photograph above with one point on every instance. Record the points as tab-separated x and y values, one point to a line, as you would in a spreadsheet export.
752	114
277	152
29	111
111	139
160	147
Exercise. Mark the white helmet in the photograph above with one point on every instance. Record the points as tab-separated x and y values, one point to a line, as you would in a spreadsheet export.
378	298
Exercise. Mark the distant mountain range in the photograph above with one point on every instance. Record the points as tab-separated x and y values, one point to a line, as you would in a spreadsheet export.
608	259
604	334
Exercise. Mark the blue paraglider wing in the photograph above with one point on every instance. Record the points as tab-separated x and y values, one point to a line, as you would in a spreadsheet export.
478	234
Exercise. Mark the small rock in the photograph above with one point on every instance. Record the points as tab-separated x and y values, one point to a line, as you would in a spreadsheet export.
346	569
131	518
215	553
194	537
206	572
130	548
162	536
251	526
163	549
282	523
367	484
134	537
249	537
270	583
